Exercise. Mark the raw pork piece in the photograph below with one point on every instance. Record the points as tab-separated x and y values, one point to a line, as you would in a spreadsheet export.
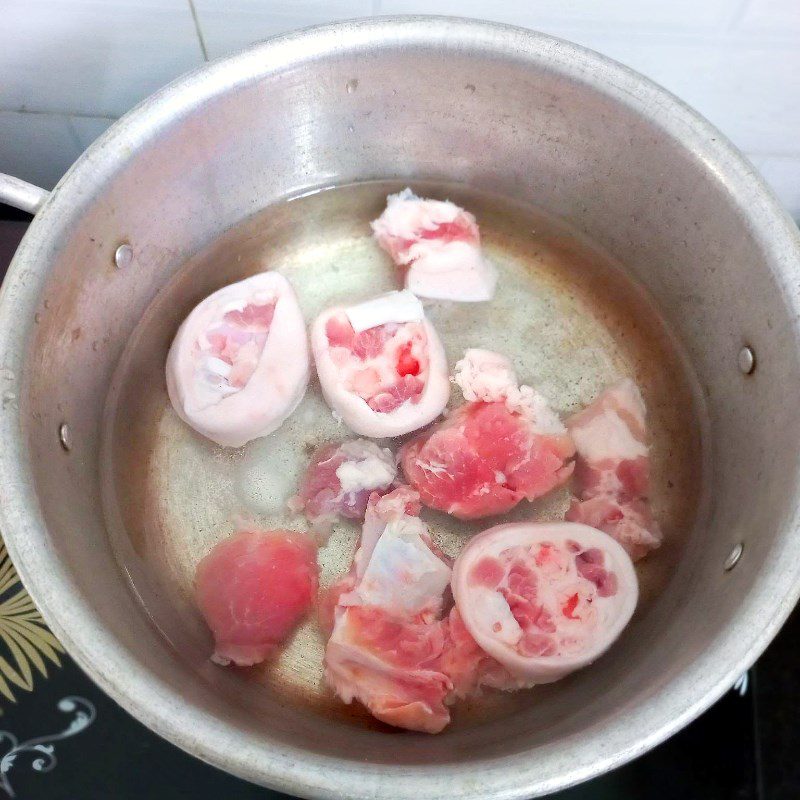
612	473
544	599
340	479
387	633
381	365
439	245
253	589
239	364
504	445
470	668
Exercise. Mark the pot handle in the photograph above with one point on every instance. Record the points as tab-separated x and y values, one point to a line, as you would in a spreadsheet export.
21	194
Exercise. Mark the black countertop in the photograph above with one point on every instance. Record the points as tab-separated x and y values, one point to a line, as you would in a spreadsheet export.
745	748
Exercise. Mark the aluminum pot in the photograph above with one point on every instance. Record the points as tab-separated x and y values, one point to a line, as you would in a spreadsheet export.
510	110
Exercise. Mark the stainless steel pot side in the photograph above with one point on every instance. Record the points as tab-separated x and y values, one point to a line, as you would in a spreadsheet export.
515	112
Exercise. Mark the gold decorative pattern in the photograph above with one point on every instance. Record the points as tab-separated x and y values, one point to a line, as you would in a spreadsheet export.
26	645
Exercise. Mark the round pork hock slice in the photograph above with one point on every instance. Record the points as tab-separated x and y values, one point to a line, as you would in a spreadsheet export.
544	599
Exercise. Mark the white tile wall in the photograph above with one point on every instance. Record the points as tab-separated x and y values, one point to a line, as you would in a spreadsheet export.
751	91
606	15
230	25
40	147
777	17
37	147
81	63
87	129
783	174
96	57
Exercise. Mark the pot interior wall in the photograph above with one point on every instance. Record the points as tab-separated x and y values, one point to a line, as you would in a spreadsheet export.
534	127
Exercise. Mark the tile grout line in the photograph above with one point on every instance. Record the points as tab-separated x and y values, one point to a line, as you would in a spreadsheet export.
76	139
198	30
59	113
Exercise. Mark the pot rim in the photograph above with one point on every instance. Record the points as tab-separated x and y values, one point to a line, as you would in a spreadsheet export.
294	770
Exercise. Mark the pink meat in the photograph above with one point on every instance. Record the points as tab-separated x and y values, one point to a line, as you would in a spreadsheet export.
407	387
630	522
239	338
483	460
322	496
612	474
468	667
385	365
383	509
438	247
253	589
239	363
542	599
329	601
381	365
390	664
364	345
340	333
387	634
255	317
410	220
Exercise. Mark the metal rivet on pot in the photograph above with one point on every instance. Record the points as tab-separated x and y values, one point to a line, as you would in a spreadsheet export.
123	257
733	557
746	360
65	436
351	85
